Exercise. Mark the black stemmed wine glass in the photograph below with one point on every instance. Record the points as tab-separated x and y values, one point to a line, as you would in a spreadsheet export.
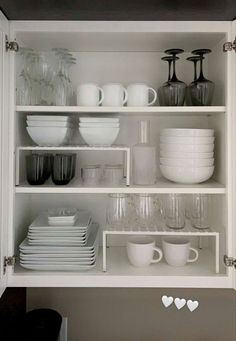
176	89
202	89
164	88
193	59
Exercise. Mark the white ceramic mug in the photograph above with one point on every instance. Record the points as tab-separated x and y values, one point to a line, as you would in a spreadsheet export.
89	95
177	251
140	251
115	95
138	95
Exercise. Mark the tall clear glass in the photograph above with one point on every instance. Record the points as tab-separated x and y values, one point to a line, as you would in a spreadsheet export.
175	211
118	211
200	211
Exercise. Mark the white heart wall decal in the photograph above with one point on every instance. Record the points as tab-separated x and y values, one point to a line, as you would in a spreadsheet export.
180	303
167	301
192	305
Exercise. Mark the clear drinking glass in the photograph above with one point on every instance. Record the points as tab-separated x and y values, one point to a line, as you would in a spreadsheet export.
113	175
118	211
91	175
147	211
23	87
174	209
200	211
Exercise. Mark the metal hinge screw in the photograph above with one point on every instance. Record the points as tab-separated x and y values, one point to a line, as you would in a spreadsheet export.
11	45
8	261
229	261
229	46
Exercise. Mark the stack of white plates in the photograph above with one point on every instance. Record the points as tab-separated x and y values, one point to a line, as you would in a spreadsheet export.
60	258
49	131
187	155
99	131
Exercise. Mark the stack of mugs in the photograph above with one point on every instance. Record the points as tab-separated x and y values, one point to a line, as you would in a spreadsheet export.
187	155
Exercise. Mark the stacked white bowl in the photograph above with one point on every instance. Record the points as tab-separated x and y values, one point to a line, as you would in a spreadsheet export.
187	155
99	131
50	131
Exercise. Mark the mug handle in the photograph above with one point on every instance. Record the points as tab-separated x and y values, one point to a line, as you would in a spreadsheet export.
154	94
191	260
158	250
125	96
102	95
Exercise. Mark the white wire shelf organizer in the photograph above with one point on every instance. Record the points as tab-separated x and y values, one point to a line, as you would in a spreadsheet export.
158	110
126	152
188	231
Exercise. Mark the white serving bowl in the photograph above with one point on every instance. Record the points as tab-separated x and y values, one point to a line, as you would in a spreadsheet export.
99	136
49	124
99	125
48	118
99	119
49	136
187	175
189	148
187	132
187	140
186	155
187	162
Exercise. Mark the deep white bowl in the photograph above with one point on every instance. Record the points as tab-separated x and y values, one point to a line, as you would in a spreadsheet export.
187	140
49	136
49	124
187	162
99	119
48	118
187	175
189	148
187	132
186	155
99	136
99	125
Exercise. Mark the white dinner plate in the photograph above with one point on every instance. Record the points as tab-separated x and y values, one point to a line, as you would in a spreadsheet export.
58	267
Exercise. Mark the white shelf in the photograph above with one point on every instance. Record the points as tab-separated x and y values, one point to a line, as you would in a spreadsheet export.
121	274
121	148
161	187
131	110
163	230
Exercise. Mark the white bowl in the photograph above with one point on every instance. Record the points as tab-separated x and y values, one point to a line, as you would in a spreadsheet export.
49	124
48	118
49	136
187	140
99	136
188	132
99	125
187	175
99	119
186	155
189	148
187	162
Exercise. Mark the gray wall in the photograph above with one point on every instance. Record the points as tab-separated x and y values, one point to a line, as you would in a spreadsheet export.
138	314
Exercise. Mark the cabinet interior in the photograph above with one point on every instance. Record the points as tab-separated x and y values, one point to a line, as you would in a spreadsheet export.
128	57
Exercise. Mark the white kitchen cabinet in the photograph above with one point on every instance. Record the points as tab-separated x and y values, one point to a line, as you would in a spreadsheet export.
122	52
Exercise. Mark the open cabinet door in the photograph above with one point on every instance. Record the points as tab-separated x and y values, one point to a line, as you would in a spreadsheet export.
4	102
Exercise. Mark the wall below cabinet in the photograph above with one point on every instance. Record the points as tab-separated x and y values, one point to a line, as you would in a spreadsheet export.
138	314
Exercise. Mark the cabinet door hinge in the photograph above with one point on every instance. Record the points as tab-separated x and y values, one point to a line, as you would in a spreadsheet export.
11	45
230	261
8	261
229	46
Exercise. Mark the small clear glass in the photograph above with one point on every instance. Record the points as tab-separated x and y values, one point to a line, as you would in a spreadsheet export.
118	211
91	175
200	211
113	175
175	211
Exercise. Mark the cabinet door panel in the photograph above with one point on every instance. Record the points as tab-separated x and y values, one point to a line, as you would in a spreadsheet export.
4	96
